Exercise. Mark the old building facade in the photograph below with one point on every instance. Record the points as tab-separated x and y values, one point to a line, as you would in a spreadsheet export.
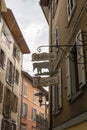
12	48
30	107
68	33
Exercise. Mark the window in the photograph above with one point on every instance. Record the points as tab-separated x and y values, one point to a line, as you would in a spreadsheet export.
34	112
24	109
75	69
5	37
7	103
1	91
23	127
54	7
70	8
16	53
16	76
56	37
57	95
2	58
25	90
7	125
10	73
14	103
34	97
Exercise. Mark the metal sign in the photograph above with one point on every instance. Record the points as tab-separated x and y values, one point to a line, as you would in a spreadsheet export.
42	65
43	56
47	81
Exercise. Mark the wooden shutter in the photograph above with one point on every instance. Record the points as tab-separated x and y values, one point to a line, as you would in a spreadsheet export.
53	99
59	89
68	77
80	60
7	71
1	91
12	78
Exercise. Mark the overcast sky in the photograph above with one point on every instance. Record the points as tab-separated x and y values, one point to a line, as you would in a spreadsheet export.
33	25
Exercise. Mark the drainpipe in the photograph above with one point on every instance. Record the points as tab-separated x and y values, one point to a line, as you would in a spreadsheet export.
50	96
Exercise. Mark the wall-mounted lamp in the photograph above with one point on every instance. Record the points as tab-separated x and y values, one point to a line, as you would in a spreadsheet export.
40	95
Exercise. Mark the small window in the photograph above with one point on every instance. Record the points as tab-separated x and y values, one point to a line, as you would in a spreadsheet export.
7	103
10	73
34	97
24	110
2	58
23	127
16	76
16	53
34	112
14	103
6	38
70	8
57	91
25	89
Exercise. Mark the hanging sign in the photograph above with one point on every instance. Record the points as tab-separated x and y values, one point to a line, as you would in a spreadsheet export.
42	65
43	56
47	81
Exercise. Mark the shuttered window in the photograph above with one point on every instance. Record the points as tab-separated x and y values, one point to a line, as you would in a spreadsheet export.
75	68
23	127
25	89
7	125
16	53
34	112
24	110
57	91
7	103
10	73
2	58
14	103
16	76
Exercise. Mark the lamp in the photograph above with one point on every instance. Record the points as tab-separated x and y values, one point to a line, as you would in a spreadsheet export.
40	95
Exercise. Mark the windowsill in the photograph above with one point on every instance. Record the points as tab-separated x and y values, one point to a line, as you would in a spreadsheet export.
74	97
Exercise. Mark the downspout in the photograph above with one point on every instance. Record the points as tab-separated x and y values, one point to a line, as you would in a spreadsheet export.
50	42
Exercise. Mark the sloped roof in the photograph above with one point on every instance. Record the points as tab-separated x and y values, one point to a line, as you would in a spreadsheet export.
15	30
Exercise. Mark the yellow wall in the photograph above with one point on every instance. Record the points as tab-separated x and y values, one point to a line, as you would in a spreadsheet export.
82	126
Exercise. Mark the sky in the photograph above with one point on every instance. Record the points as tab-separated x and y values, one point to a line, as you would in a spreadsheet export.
33	25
